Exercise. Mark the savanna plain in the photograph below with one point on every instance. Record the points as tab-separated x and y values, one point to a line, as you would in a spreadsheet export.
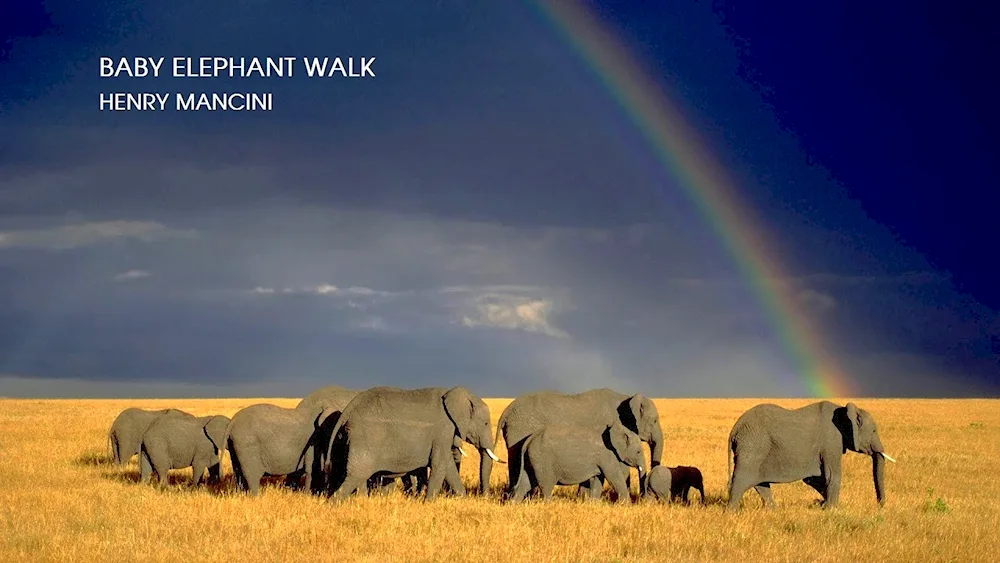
61	499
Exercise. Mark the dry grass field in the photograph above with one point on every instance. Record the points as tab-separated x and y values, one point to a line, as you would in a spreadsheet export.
62	500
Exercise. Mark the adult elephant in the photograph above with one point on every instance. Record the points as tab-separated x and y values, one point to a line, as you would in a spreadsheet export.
392	432
329	403
595	409
771	444
265	439
125	435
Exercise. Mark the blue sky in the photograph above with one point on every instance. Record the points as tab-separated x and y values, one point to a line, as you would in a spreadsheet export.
481	212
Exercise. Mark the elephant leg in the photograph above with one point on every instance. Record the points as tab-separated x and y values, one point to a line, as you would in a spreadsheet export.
595	486
454	480
618	481
145	468
253	472
818	484
684	495
764	490
546	480
701	491
832	474
741	482
520	490
197	472
351	483
215	472
435	480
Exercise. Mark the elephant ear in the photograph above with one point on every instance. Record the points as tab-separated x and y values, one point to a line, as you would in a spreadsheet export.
215	429
855	418
637	404
618	436
460	407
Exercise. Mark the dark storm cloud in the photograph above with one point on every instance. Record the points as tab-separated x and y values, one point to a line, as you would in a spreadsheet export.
479	213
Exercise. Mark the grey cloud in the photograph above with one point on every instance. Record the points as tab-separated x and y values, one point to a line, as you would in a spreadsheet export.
132	275
816	300
70	236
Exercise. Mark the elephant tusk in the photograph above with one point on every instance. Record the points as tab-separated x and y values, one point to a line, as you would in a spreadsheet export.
492	455
463	452
887	456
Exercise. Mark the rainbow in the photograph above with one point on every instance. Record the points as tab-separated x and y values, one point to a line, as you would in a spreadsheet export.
704	181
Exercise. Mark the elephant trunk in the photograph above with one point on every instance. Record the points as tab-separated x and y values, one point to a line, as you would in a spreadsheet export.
655	440
878	475
485	470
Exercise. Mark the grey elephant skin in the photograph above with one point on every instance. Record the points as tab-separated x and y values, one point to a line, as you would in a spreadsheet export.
177	442
667	484
127	430
415	482
392	432
569	455
770	444
329	402
595	409
265	439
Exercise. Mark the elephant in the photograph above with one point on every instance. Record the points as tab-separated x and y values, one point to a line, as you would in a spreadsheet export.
596	408
265	439
176	442
415	481
330	402
669	483
126	431
562	454
771	444
392	432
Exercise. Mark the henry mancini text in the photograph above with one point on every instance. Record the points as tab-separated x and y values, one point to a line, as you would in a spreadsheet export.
157	101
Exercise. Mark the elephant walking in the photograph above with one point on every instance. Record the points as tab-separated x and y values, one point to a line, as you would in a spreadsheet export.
570	455
128	428
771	444
176	442
415	482
595	409
330	402
391	432
266	439
669	483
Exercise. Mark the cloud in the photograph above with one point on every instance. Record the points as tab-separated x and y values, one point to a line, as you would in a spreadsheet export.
132	275
65	237
816	300
513	312
321	289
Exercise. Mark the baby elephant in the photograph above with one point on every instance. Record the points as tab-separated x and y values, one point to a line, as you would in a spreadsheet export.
569	455
669	483
176	443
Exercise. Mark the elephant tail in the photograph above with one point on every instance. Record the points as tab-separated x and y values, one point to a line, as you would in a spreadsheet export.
730	450
501	424
113	447
328	462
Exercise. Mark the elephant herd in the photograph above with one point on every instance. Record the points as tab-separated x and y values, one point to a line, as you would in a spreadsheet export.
342	441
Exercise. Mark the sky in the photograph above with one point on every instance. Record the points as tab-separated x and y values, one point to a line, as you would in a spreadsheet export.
484	211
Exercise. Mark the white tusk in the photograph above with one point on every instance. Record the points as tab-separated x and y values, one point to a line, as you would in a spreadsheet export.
887	456
492	455
463	452
640	470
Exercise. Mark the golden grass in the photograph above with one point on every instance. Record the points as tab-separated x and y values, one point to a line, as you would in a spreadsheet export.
61	500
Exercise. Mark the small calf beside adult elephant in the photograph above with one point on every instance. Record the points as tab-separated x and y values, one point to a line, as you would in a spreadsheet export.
771	444
667	484
392	432
595	409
